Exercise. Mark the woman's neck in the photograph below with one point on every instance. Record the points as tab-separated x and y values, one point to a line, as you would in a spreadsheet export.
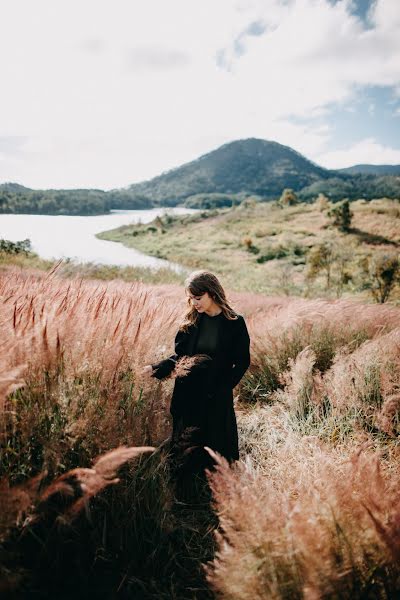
213	312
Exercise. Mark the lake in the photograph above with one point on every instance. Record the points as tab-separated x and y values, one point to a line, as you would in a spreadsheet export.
73	237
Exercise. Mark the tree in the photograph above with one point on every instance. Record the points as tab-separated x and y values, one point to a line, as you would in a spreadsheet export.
381	274
321	258
288	198
335	261
341	215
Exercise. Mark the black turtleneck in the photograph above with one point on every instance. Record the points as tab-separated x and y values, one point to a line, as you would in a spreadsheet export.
207	340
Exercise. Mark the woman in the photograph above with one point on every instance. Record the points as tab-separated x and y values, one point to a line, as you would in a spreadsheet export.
202	400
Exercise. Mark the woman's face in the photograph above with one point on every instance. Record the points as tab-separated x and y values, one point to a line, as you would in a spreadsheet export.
201	303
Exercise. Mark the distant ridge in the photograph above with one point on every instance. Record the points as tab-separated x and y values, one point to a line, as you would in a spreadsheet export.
372	170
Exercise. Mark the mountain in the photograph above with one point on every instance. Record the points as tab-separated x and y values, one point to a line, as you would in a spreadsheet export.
14	188
372	170
253	166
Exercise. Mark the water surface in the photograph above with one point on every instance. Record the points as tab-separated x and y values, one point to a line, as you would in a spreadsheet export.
73	237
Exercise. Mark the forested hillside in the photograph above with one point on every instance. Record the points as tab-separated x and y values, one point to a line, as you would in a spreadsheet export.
254	166
223	177
353	186
17	199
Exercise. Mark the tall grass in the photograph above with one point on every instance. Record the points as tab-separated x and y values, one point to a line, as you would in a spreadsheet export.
322	527
303	515
76	346
313	511
72	388
133	540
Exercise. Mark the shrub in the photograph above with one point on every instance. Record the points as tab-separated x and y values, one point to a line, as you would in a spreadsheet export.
23	247
273	253
341	215
381	274
248	243
288	198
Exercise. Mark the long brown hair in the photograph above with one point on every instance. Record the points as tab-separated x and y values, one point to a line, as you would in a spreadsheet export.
198	283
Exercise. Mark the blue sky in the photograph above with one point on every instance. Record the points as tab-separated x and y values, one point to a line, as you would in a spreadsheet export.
376	110
360	8
104	94
373	113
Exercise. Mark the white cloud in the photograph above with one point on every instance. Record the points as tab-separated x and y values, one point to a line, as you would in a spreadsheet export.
153	58
111	93
367	151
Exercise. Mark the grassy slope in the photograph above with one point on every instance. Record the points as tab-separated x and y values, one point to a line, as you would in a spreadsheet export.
218	242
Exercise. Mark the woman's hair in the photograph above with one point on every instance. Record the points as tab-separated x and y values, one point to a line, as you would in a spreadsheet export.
198	283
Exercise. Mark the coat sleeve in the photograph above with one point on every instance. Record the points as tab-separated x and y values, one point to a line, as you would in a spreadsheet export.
241	352
163	368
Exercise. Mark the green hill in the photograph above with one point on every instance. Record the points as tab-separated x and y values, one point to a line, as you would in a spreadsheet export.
250	166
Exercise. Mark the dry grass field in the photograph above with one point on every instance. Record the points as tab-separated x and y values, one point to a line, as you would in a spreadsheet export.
264	248
311	510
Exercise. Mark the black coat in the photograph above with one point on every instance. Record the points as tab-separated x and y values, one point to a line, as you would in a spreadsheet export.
194	404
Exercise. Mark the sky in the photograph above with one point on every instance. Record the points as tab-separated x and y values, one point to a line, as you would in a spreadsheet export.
103	94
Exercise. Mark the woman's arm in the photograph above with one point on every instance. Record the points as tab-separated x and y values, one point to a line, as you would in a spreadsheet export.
163	368
241	352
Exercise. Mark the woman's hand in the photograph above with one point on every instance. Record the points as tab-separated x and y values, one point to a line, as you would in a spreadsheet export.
147	369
